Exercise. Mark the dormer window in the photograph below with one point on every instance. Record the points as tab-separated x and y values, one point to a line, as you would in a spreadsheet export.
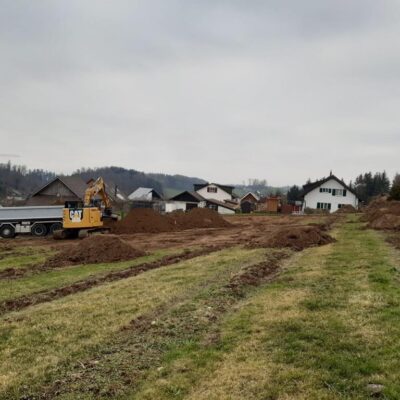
212	189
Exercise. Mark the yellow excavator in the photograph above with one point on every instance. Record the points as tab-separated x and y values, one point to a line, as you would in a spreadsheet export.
81	219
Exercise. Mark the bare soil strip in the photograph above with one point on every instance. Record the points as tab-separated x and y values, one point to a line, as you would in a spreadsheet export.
80	286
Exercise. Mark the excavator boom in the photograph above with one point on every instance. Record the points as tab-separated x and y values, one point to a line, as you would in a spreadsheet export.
97	188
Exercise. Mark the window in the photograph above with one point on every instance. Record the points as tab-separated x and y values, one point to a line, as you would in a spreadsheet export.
324	206
339	192
325	190
212	189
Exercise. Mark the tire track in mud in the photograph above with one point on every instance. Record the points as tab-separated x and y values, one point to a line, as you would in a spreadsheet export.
86	284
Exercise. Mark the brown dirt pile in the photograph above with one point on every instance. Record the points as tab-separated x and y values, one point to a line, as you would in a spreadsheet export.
347	209
296	238
142	220
383	214
386	221
93	250
198	218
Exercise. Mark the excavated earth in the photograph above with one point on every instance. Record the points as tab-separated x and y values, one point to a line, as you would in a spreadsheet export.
383	214
296	238
94	249
347	209
143	220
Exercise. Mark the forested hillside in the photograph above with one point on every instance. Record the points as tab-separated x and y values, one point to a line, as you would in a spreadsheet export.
19	179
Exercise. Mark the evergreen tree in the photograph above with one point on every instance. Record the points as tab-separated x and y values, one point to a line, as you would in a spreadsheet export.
369	185
395	190
293	194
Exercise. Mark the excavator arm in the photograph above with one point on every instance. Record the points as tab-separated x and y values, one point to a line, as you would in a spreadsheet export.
97	188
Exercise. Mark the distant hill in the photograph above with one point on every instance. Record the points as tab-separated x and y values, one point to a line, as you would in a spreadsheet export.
18	179
177	183
128	180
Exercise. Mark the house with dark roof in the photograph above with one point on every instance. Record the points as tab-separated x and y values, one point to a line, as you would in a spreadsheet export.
58	191
211	195
217	197
184	201
214	191
329	193
248	202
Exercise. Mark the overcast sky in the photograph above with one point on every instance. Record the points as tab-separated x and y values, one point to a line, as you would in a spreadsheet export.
223	90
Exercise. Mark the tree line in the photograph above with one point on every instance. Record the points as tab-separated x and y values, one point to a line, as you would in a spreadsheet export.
18	179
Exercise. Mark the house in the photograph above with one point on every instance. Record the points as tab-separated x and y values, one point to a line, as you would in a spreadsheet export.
222	207
58	191
145	198
214	191
211	195
328	193
250	196
270	204
145	194
184	201
248	203
217	197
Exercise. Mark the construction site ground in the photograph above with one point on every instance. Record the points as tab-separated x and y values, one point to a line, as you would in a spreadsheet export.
261	307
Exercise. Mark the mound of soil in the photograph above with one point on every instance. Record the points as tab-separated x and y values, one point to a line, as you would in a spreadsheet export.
296	238
93	250
347	209
144	220
383	214
386	221
198	218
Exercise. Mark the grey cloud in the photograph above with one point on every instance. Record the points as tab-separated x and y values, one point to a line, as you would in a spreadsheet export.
225	90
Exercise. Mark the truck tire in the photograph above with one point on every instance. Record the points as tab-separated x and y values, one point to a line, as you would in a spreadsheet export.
57	226
39	230
7	231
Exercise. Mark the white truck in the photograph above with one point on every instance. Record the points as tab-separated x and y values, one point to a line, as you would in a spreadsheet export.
38	221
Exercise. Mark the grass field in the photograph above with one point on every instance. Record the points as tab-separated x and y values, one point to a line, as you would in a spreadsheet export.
326	327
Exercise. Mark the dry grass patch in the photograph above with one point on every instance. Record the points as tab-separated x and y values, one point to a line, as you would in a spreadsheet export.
38	338
47	280
327	328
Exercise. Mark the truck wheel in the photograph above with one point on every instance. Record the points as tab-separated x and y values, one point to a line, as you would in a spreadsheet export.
7	231
39	230
55	227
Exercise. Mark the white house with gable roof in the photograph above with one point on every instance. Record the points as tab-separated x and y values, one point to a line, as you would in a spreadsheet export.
328	193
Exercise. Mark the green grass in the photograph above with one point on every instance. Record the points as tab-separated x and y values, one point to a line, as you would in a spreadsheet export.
36	340
328	326
23	257
47	280
325	330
